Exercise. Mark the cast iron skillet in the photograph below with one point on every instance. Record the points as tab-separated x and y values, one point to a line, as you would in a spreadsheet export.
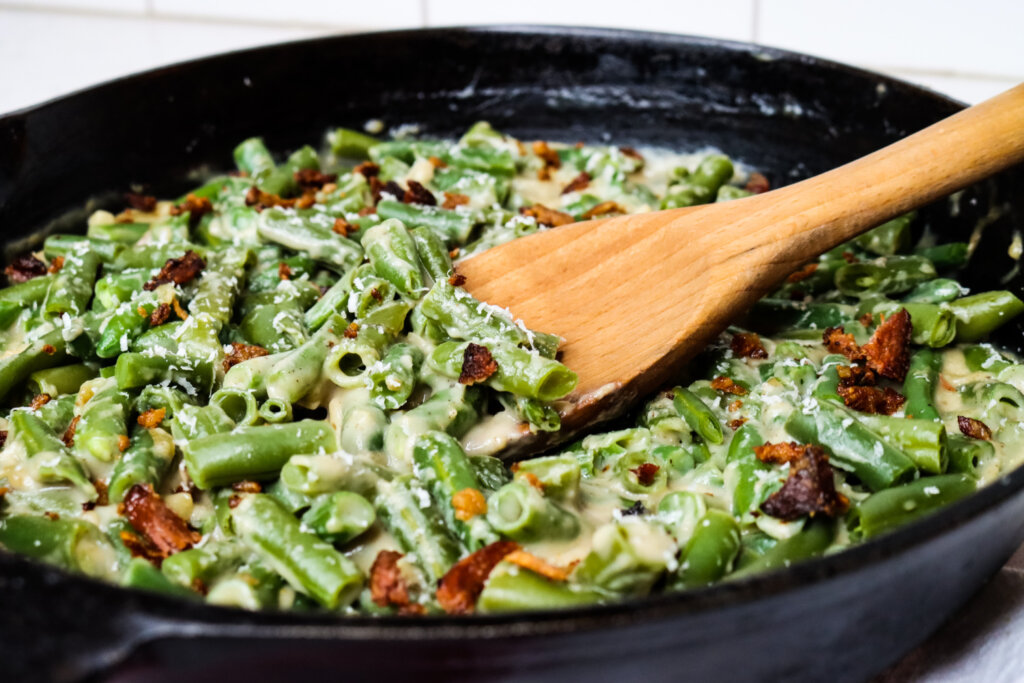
843	617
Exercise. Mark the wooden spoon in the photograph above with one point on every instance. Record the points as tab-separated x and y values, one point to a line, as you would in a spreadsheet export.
636	296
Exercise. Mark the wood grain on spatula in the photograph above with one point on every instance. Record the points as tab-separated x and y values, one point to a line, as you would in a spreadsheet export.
636	296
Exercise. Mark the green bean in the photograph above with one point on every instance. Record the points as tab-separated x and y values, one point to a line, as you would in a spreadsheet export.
627	558
70	543
560	474
697	415
404	509
815	537
979	314
924	441
966	455
339	517
513	589
145	461
102	429
345	142
889	275
937	291
886	510
433	253
946	256
58	381
891	237
518	371
451	226
710	552
919	385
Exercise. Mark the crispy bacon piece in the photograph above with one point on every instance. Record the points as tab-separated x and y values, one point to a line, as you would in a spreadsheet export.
549	157
367	211
737	423
809	490
146	512
69	434
367	169
646	474
747	345
631	152
39	401
49	349
417	194
849	257
387	585
757	183
375	293
194	206
888	351
351	331
779	453
477	364
726	384
454	253
152	418
533	480
3	437
453	199
24	268
56	263
805	272
140	202
540	566
123	442
101	492
976	429
856	376
313	179
457	280
378	188
238	353
546	216
602	209
246	486
469	503
578	183
872	399
838	340
178	310
160	315
138	546
437	162
866	320
284	271
462	585
343	227
180	271
735	405
260	200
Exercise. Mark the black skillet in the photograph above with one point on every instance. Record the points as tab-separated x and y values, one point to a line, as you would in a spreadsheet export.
839	618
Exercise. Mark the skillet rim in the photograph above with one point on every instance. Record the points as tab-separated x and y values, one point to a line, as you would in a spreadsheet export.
211	620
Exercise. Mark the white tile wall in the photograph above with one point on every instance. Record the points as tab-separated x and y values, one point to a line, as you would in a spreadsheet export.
48	47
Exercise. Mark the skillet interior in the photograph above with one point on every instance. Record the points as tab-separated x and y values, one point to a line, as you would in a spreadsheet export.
788	115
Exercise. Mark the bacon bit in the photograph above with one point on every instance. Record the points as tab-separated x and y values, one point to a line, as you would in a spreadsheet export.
311	178
39	401
850	257
539	566
976	429
260	200
631	152
578	183
735	405
69	434
838	340
437	162
56	264
888	351
140	202
343	227
779	453
24	268
533	480
457	280
602	209
375	293
3	439
737	423
469	503
49	349
101	492
646	474
150	516
141	310
546	216
945	383
367	211
378	188
239	353
866	320
387	585
757	184
726	384
234	501
872	399
84	396
453	199
549	157
52	516
180	271
160	315
805	272
367	169
123	442
178	310
329	188
747	345
195	206
351	331
4	490
152	418
477	364
284	271
855	375
247	486
140	547
809	490
454	253
462	585
417	194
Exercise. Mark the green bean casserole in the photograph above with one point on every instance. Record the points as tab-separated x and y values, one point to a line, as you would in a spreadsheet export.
274	393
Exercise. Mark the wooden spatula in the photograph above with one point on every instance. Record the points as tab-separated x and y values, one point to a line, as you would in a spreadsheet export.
636	296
